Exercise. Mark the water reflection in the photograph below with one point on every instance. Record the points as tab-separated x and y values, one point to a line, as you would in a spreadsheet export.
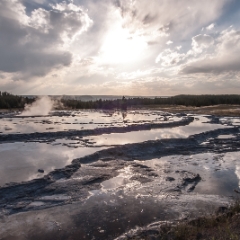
124	115
195	127
76	120
227	136
235	121
21	161
115	182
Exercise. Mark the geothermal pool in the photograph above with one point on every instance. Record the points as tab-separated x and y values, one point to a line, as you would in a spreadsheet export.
104	174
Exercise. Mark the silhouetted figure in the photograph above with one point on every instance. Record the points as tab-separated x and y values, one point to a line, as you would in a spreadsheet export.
124	103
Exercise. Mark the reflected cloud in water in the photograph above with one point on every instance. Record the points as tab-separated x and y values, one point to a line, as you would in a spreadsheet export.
21	161
195	127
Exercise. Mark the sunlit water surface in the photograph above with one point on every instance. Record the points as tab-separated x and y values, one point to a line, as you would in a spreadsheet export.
199	125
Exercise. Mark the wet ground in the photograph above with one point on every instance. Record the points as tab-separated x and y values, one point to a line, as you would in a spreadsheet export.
72	120
102	175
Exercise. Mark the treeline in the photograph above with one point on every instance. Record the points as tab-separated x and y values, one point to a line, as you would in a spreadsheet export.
8	101
199	100
98	104
186	100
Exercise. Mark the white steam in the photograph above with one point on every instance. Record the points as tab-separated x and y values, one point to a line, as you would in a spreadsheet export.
42	106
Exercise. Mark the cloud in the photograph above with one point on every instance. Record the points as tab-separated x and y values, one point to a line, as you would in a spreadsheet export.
169	57
33	45
139	73
201	41
210	27
161	17
226	57
163	86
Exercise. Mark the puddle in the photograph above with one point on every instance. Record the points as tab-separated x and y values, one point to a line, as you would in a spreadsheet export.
230	120
196	127
36	204
226	136
69	143
57	197
114	183
121	181
21	161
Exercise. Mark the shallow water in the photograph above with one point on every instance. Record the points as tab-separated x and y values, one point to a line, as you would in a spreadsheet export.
226	136
21	161
230	120
199	125
77	120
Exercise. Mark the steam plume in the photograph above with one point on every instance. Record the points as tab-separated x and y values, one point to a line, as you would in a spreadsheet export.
42	106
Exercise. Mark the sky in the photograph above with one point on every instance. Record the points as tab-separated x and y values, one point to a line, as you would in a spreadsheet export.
120	47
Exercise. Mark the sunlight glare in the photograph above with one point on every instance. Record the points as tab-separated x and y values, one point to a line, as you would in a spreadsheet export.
122	47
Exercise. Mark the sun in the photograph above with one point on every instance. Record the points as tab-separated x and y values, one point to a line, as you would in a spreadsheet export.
120	46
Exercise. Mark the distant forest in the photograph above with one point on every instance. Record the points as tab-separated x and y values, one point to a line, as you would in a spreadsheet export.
9	101
186	100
